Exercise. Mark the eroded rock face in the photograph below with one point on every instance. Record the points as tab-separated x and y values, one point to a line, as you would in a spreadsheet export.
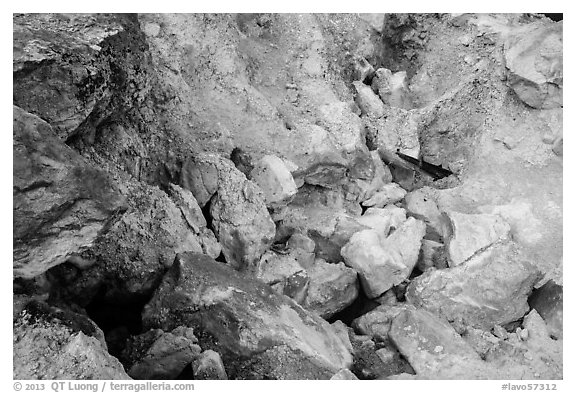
61	203
58	68
548	302
489	289
258	333
534	62
48	345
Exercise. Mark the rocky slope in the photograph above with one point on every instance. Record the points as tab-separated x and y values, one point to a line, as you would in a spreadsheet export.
287	196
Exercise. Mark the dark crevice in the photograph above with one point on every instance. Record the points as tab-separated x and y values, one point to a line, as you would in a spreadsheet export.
118	320
359	307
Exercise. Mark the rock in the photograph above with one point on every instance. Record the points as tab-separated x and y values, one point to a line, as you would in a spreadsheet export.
433	348
240	219
363	70
48	346
368	364
134	254
344	374
258	333
471	233
548	301
383	220
383	264
47	82
275	180
376	323
189	207
397	129
432	255
489	289
369	103
333	287
424	208
329	228
209	366
388	194
60	203
193	215
392	88
533	56
341	330
284	274
376	21
167	357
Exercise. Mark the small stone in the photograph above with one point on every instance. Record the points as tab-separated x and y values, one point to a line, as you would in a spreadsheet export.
388	194
209	366
369	103
275	180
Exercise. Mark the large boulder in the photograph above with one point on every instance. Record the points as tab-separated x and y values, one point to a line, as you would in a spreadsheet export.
489	289
54	344
275	180
381	264
472	233
433	347
240	219
60	73
258	333
61	203
533	56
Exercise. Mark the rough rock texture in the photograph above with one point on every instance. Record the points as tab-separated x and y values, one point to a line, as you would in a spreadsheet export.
239	217
275	180
61	203
369	103
472	233
168	355
534	63
433	348
377	322
209	366
382	264
489	289
258	333
388	194
56	346
344	374
332	288
128	262
392	88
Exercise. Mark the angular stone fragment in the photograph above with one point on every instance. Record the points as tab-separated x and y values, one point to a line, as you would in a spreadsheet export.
167	357
433	347
189	207
48	346
209	366
60	203
332	288
432	255
383	264
258	333
533	56
240	219
376	323
389	193
275	180
471	233
392	88
421	206
489	289
369	103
